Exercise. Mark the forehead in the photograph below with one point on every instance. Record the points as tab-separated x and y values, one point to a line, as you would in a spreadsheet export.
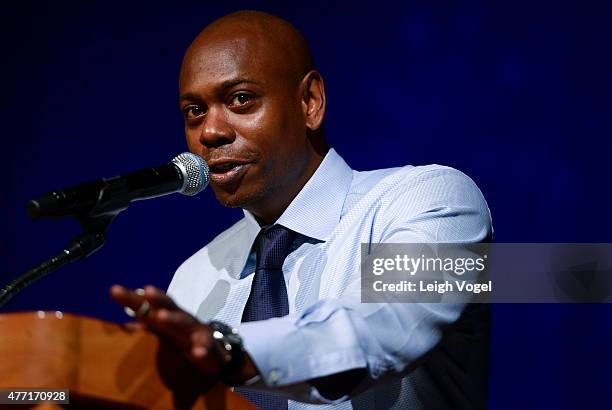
213	60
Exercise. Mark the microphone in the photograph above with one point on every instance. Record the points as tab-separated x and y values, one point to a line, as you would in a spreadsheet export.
187	174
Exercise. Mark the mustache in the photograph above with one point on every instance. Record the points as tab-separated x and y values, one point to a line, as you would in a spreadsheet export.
233	153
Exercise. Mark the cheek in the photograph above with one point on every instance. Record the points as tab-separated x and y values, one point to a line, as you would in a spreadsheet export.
275	136
251	126
192	137
258	135
270	130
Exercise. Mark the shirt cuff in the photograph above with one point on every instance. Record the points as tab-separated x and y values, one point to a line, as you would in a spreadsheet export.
283	353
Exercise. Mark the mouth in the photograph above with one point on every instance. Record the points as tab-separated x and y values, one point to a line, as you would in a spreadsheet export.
227	171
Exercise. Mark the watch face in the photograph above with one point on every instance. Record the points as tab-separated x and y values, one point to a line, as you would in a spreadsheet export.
228	332
234	338
231	343
217	335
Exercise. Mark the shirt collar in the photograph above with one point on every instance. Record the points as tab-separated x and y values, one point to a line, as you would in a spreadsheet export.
317	208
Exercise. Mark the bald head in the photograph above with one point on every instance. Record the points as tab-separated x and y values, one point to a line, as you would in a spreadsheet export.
253	108
284	46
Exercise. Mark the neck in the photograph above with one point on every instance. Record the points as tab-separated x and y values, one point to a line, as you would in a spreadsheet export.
269	210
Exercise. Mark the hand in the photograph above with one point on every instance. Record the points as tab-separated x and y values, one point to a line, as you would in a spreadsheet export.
164	318
177	327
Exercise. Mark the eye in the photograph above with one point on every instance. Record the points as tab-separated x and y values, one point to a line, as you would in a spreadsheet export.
241	99
193	111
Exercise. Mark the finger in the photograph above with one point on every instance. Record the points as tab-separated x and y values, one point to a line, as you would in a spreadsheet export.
126	297
200	344
158	298
203	352
175	324
199	352
193	338
134	326
133	301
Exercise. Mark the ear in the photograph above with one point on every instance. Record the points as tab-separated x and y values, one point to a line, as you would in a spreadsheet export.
313	99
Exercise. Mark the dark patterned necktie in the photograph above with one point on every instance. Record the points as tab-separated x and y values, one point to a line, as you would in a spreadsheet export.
268	297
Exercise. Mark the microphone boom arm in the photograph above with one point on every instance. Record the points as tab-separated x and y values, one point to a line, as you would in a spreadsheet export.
79	248
96	204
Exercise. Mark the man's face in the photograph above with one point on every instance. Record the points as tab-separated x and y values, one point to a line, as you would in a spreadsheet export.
243	114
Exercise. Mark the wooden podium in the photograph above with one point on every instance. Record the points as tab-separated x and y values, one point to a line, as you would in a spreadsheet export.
102	364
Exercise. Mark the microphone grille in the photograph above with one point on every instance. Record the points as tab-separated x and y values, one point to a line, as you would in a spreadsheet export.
195	173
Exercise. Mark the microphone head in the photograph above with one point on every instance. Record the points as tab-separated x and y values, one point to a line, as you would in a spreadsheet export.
196	174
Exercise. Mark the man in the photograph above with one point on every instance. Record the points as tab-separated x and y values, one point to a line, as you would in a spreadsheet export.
253	106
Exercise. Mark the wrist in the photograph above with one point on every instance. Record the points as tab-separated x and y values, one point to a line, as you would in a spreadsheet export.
245	375
236	365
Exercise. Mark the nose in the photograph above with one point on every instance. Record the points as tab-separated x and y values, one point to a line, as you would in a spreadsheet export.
216	130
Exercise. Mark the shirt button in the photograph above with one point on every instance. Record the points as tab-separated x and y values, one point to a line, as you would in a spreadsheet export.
274	376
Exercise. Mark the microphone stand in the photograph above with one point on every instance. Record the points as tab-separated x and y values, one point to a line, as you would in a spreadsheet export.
94	225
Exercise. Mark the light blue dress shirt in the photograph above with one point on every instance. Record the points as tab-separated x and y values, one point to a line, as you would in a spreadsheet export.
328	330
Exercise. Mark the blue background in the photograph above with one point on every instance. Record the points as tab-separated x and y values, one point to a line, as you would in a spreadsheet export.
516	94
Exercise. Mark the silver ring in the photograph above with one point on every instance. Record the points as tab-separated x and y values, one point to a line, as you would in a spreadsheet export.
129	311
142	311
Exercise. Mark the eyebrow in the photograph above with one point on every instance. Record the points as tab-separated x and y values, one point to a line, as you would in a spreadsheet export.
232	83
225	85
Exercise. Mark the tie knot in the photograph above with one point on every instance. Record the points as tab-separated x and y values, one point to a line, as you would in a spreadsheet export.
272	246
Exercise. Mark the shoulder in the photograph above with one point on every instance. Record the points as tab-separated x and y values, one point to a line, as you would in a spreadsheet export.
435	199
429	183
426	182
223	245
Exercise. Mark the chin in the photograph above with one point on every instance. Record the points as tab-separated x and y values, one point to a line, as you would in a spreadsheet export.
245	196
236	200
231	204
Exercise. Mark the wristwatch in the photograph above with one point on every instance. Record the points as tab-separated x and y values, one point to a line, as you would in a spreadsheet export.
230	343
